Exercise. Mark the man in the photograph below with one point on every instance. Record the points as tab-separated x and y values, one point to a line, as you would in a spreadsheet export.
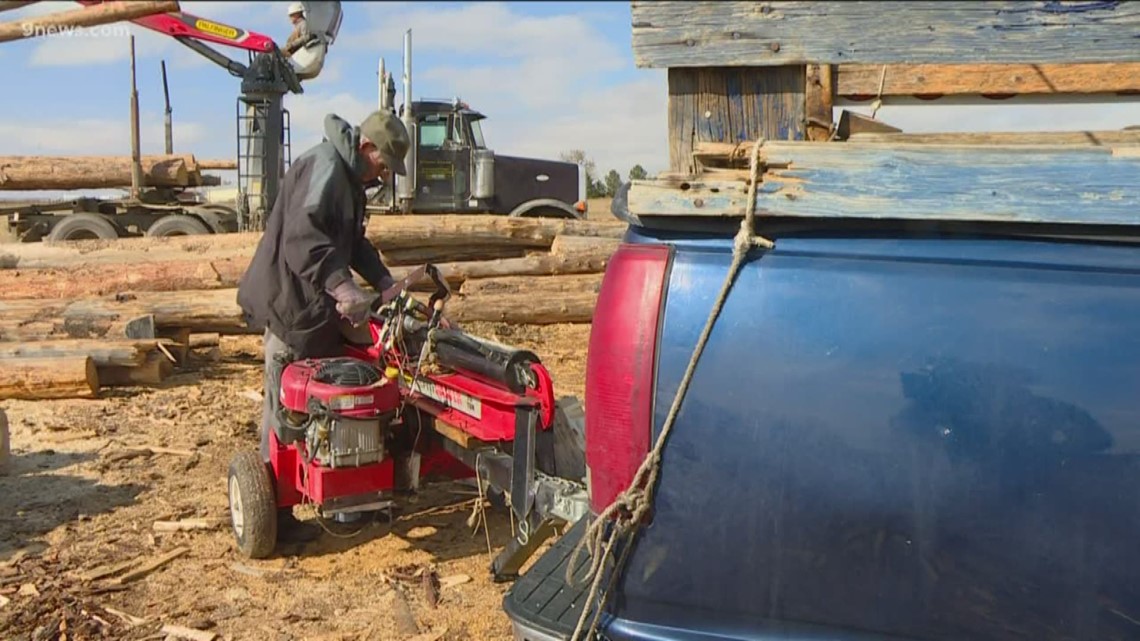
300	29
298	286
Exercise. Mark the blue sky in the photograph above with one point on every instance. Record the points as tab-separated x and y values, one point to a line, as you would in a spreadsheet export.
551	76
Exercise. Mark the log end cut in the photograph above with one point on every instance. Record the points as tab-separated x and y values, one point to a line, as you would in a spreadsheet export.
32	379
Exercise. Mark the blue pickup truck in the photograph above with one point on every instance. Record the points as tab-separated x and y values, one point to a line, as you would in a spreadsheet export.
907	429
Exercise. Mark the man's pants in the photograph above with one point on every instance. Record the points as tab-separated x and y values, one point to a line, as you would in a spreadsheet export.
277	356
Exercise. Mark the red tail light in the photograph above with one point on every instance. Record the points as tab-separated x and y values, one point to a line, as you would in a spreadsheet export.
620	369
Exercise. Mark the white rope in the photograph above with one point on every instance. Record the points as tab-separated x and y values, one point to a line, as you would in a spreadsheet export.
629	509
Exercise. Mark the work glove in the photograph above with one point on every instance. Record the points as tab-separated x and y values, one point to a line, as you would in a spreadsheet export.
352	302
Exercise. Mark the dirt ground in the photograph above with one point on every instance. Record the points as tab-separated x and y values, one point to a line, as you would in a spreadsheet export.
75	502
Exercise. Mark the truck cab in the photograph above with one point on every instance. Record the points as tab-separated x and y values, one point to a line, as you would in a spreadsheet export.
452	170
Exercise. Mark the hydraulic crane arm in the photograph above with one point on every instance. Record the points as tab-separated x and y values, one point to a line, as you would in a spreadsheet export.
195	32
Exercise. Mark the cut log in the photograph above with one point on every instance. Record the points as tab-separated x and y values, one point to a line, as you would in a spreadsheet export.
574	254
216	164
403	232
195	310
202	341
117	353
537	286
153	371
586	262
25	173
577	245
33	379
92	16
5	444
434	254
523	309
393	235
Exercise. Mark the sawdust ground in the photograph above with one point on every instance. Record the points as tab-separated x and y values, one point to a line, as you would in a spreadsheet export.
70	504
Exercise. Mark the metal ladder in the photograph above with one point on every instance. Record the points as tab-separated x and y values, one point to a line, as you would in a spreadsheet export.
253	202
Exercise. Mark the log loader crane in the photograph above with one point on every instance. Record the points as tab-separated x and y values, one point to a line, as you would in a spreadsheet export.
262	133
263	141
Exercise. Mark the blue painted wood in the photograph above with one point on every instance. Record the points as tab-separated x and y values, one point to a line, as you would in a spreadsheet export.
710	34
979	183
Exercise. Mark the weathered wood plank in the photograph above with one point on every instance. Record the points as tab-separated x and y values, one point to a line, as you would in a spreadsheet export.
819	101
1121	141
861	82
1122	138
711	34
730	105
1014	183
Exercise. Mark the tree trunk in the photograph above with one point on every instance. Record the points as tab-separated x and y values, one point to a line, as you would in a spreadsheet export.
195	310
105	353
523	308
33	379
538	286
565	245
434	254
105	279
27	173
201	341
402	232
539	265
93	16
393	235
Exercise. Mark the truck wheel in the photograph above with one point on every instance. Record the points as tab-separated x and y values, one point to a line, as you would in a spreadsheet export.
253	505
545	208
83	226
547	212
177	225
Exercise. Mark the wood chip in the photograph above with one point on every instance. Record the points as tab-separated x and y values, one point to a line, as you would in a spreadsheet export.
147	568
169	450
402	615
429	636
431	588
242	568
191	634
105	571
187	524
256	397
28	589
129	619
454	580
4	601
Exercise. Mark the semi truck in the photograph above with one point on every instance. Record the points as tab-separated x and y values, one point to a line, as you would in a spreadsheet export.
451	169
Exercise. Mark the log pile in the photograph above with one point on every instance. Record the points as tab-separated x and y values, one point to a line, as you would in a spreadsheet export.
127	312
33	173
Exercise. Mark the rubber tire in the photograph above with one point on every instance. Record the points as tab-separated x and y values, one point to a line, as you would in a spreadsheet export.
258	536
548	212
81	226
177	225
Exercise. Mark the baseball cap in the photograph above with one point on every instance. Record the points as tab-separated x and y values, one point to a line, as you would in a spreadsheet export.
384	129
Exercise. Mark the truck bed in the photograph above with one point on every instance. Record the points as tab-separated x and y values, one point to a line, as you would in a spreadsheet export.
930	436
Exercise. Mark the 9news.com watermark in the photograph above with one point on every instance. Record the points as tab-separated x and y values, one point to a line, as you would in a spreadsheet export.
71	31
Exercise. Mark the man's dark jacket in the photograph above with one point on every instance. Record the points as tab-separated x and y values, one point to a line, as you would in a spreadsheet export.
313	235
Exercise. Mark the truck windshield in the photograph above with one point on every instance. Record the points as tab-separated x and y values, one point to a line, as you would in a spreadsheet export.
477	135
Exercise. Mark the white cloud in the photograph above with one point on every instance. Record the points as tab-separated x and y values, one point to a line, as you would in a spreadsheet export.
95	136
307	115
543	81
1019	114
110	43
